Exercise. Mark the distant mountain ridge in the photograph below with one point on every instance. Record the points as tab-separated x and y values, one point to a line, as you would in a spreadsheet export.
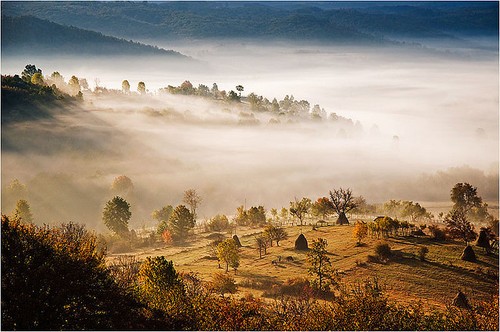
326	21
32	35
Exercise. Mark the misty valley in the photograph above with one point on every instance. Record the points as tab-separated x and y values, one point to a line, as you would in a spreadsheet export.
332	166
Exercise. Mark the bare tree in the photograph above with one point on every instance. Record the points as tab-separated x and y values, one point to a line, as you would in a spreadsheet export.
343	201
193	200
262	243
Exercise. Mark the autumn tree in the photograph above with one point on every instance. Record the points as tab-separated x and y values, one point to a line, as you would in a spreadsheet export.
262	242
57	79
275	233
464	197
212	246
459	227
181	222
29	71
342	201
126	87
141	88
274	214
122	185
74	85
218	223
321	266
23	211
241	217
193	200
56	279
227	252
301	208
322	207
414	211
116	215
162	216
37	79
256	215
362	207
284	214
17	189
160	285
360	231
13	192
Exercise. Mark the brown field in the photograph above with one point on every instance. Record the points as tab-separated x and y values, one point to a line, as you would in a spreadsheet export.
405	278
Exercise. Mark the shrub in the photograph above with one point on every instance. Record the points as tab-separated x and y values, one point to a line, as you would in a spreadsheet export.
422	252
437	233
218	223
383	252
223	283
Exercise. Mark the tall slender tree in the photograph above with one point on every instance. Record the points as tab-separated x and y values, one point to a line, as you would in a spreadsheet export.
193	200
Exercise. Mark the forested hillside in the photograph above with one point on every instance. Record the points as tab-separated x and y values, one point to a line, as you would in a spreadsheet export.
31	35
342	21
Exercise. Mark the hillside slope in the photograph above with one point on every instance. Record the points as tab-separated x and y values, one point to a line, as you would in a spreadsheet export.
31	35
326	21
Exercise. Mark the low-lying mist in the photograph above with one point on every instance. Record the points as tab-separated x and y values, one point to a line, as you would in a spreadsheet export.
426	122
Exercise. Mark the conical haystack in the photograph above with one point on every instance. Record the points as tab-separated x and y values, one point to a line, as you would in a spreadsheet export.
468	254
483	240
461	301
237	240
301	243
342	220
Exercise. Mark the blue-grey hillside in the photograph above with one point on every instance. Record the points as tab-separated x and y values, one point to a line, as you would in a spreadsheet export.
353	22
32	35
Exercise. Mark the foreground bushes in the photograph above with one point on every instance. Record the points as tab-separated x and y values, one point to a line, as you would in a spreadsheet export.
55	278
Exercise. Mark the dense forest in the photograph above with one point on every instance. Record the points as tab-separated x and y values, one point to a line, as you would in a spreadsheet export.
32	35
338	22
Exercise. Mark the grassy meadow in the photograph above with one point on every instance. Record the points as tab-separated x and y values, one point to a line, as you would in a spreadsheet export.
405	278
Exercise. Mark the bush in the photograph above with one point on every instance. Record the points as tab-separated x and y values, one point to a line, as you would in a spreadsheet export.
223	283
437	234
383	252
218	223
56	279
422	252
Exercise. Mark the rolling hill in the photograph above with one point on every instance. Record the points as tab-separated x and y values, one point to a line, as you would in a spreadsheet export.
31	35
353	22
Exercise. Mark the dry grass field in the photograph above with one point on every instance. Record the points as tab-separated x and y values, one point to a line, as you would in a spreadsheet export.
406	279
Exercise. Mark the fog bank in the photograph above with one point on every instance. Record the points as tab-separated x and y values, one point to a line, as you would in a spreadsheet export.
444	112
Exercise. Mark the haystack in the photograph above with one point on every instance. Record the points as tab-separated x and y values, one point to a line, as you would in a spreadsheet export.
237	240
342	220
301	243
461	301
483	240
468	254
